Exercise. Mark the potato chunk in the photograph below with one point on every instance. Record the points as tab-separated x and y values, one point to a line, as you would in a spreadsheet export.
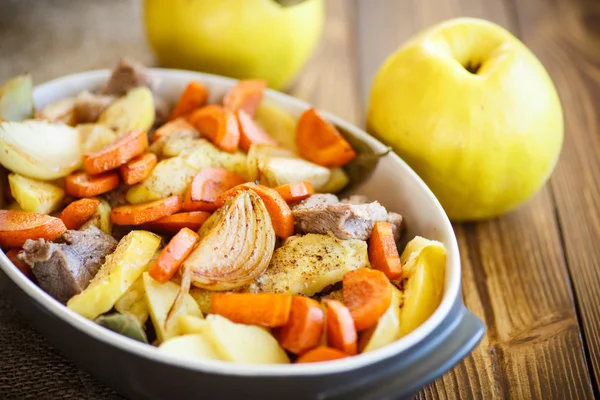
424	264
243	343
308	264
193	347
387	328
35	196
101	217
119	272
133	111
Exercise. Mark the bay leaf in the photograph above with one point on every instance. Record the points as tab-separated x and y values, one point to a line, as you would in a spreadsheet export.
126	325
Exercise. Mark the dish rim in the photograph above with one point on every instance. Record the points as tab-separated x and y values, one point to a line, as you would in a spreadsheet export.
452	284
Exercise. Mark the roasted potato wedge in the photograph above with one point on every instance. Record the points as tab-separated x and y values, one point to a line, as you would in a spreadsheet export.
279	124
387	328
119	272
424	265
194	347
308	264
133	111
35	196
243	343
95	136
191	324
101	217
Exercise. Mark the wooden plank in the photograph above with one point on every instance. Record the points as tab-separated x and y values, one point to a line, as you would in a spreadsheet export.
514	274
565	36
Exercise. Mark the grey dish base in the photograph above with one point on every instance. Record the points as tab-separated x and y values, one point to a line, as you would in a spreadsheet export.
139	378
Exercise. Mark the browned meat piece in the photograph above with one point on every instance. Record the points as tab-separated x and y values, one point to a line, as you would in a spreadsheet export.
89	106
126	76
323	214
116	197
396	220
65	268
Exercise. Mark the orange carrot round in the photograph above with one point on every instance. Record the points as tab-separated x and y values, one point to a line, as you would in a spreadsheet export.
246	95
218	125
264	309
305	326
295	192
341	333
194	96
18	226
114	154
368	295
81	184
383	252
21	266
172	256
319	354
176	125
78	212
172	224
138	168
320	142
207	186
251	132
146	212
279	211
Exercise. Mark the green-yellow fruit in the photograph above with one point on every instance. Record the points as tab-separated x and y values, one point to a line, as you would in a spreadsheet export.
473	112
237	38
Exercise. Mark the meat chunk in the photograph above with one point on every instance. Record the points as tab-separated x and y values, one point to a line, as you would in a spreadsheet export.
352	218
396	220
64	268
162	111
127	75
89	106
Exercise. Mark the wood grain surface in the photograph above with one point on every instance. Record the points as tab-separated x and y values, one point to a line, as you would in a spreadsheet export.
532	275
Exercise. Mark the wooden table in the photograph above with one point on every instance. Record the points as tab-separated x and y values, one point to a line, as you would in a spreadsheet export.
532	276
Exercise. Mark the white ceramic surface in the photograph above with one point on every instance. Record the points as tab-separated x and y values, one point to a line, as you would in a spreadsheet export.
393	183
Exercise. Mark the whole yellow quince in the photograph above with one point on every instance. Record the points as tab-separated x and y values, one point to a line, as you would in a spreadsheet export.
237	38
473	112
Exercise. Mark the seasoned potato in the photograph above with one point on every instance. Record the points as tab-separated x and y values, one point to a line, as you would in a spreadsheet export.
206	155
61	111
35	196
16	98
387	328
243	343
190	324
101	217
133	111
279	124
160	297
119	272
308	264
169	177
337	181
193	347
274	166
133	301
424	266
95	136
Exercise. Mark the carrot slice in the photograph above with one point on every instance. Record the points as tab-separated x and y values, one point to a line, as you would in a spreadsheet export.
383	252
368	295
341	333
78	212
138	168
322	353
18	226
81	184
146	212
305	326
246	95
194	96
251	132
172	224
207	186
264	309
114	154
24	268
172	256
279	211
295	192
218	125
320	142
176	125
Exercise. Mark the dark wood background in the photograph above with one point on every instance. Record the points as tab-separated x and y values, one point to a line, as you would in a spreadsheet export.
533	275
